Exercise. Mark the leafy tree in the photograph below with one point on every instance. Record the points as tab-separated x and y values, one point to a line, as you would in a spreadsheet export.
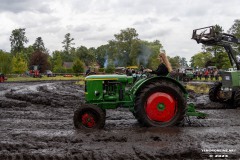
100	55
112	53
110	67
216	51
175	62
200	59
58	64
92	55
40	59
149	52
124	44
18	39
19	65
183	62
78	66
68	43
83	54
27	53
235	30
5	62
223	61
39	45
135	52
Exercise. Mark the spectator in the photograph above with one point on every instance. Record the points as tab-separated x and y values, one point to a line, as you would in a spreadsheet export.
128	72
200	73
216	75
211	74
206	73
87	71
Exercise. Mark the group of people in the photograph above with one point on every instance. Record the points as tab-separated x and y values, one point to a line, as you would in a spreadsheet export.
207	74
164	68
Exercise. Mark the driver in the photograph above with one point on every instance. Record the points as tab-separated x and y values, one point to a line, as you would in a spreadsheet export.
164	67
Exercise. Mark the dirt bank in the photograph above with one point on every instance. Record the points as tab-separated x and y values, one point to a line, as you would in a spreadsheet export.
36	123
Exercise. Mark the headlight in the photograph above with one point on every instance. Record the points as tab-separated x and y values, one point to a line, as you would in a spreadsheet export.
227	78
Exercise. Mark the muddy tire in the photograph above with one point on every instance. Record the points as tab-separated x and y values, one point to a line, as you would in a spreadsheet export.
89	117
237	99
160	104
215	91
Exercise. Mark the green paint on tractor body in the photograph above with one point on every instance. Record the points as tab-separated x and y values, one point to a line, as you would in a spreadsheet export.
231	79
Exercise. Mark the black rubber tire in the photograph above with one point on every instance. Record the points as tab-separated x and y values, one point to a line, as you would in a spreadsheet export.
97	113
236	99
214	92
165	87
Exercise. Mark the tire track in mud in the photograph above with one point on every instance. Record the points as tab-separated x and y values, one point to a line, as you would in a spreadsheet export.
48	94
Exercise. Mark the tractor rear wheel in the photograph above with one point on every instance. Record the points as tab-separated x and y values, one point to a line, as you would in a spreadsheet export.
160	104
88	117
237	99
215	93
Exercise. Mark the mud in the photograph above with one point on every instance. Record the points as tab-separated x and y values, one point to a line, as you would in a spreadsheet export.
36	123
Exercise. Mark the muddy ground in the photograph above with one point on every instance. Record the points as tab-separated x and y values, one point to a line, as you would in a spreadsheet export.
36	123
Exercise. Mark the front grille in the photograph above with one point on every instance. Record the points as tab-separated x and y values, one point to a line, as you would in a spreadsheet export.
227	79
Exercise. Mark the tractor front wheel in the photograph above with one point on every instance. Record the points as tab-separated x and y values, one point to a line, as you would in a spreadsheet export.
215	93
88	117
237	99
160	104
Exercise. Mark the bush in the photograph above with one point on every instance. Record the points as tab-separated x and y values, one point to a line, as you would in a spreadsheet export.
110	68
59	69
78	66
69	70
101	69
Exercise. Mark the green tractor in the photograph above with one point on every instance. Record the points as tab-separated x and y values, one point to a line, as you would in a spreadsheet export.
154	101
227	91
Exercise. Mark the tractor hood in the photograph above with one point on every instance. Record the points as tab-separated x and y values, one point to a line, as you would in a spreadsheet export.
112	77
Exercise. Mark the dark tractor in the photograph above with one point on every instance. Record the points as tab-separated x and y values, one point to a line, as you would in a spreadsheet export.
154	101
227	91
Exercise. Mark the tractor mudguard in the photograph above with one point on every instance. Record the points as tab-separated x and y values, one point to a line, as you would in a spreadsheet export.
140	83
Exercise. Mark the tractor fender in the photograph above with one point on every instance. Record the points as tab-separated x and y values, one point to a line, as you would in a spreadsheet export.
143	82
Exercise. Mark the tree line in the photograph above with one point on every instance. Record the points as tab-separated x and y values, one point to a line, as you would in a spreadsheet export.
126	49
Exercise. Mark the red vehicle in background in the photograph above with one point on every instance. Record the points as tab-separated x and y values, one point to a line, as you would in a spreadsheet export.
2	77
35	72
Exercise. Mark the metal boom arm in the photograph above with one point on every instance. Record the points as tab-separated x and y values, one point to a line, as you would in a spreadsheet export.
209	36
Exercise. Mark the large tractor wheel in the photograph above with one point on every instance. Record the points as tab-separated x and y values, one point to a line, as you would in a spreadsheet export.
160	104
237	99
215	93
88	117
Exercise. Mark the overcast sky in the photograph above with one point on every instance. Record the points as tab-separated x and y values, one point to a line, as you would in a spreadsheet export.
93	22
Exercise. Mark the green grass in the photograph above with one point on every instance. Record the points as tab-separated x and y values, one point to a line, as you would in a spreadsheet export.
201	88
209	80
44	78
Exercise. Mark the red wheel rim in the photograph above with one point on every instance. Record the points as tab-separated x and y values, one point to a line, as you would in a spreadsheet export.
160	107
88	120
